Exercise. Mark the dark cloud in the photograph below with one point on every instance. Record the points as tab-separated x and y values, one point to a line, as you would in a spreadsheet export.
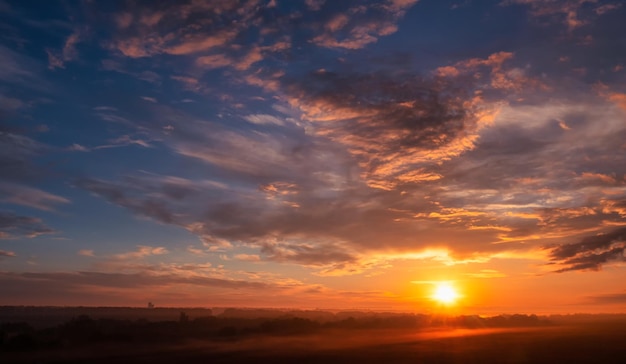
365	105
119	195
16	154
20	70
609	298
591	252
572	13
307	254
357	26
14	226
387	122
320	228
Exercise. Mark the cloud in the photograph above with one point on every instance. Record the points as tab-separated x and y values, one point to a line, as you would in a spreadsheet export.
212	34
567	11
78	148
201	44
247	257
166	284
145	75
619	99
359	26
11	104
119	195
14	226
308	254
476	158
68	53
86	253
123	141
486	273
264	119
511	80
525	173
214	61
141	252
31	197
392	125
301	197
21	70
16	154
176	288
189	83
315	4
333	232
610	206
603	9
6	253
54	61
591	252
122	280
197	29
609	298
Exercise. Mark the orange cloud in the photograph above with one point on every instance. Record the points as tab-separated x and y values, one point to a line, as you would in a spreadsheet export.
618	99
214	61
354	30
568	10
393	128
141	252
247	257
589	176
201	44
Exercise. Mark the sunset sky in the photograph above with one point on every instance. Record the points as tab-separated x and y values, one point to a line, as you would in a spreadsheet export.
314	154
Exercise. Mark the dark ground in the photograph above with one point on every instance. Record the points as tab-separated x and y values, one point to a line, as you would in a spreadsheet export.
289	339
562	344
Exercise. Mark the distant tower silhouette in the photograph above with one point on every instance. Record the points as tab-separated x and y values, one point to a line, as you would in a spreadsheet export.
184	318
150	305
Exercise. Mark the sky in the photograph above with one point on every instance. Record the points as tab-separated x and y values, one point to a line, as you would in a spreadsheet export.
314	154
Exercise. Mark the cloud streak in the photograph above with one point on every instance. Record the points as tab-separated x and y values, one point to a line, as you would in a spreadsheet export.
591	252
14	226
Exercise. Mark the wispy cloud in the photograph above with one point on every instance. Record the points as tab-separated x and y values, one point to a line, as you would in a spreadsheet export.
86	253
359	26
6	254
608	298
31	197
14	226
569	11
68	52
20	70
141	252
393	126
591	252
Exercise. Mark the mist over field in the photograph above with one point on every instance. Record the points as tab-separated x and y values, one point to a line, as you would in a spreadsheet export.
132	335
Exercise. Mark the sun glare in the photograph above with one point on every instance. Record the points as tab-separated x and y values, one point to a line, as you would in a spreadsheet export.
444	293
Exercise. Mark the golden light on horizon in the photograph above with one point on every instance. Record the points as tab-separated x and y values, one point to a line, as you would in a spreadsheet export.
445	293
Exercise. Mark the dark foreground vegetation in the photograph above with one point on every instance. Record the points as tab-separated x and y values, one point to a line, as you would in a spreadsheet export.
264	336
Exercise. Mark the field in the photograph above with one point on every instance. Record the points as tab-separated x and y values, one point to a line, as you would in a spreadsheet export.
289	339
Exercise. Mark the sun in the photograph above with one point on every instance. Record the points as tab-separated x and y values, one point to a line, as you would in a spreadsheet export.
445	293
